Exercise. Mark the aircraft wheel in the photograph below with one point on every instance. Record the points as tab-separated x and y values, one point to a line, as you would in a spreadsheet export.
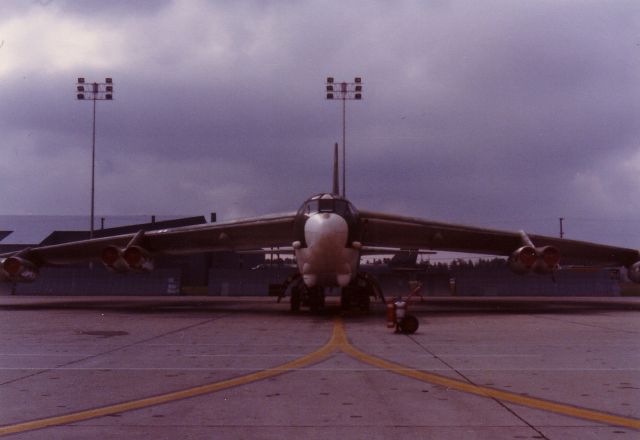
409	325
295	300
364	302
316	299
345	302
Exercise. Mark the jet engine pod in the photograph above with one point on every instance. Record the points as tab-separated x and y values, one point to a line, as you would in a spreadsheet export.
19	269
548	260
112	259
522	260
4	276
138	259
633	272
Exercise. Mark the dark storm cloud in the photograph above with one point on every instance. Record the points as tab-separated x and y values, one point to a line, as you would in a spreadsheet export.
507	114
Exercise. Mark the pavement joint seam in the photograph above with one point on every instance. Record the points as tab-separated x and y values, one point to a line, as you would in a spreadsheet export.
468	380
494	393
319	355
337	343
113	350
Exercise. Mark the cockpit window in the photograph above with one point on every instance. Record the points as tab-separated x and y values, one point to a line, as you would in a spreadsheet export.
343	208
326	205
340	207
311	207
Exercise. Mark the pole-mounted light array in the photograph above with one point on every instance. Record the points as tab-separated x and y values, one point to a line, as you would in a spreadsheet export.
94	92
344	91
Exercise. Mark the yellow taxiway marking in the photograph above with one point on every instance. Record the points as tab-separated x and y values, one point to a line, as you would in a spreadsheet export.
505	396
314	357
338	342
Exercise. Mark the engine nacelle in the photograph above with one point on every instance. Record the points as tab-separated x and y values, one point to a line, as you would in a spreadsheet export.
138	259
633	272
522	260
548	260
112	259
19	269
4	276
542	260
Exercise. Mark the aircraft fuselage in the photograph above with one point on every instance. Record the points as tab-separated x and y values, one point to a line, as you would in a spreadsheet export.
327	249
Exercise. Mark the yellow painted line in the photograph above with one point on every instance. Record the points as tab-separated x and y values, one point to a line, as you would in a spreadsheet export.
338	342
531	402
337	339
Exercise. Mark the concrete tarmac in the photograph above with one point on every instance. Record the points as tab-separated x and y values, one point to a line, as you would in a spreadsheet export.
230	368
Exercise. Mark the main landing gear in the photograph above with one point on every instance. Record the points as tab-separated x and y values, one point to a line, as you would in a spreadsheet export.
301	295
358	294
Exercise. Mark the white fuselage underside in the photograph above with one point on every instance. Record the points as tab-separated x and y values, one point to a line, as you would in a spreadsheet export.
327	261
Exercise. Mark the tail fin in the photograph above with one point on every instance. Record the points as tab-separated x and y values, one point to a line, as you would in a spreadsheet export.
336	178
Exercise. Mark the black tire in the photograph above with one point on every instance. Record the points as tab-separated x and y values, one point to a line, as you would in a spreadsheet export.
409	325
345	299
364	302
295	300
316	299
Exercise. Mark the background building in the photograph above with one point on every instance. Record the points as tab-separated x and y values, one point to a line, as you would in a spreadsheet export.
232	274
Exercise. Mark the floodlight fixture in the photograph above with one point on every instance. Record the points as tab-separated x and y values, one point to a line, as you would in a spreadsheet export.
96	91
345	92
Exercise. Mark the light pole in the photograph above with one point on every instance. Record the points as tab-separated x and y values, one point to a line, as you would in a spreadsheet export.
344	91
94	92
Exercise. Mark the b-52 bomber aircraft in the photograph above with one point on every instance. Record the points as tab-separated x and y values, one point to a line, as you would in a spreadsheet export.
327	235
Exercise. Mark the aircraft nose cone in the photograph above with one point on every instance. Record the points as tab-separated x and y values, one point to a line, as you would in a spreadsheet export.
326	230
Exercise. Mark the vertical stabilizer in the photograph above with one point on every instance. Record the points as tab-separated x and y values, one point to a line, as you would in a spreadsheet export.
336	178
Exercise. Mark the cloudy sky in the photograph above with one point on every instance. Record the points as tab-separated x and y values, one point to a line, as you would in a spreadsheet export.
505	114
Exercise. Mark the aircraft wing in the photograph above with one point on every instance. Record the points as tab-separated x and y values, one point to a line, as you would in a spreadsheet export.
238	235
413	233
